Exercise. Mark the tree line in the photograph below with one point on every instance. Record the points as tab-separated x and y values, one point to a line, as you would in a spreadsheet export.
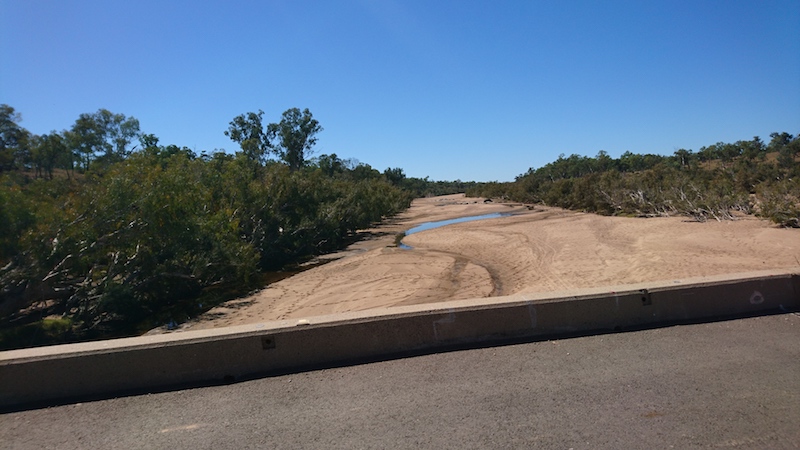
717	182
104	231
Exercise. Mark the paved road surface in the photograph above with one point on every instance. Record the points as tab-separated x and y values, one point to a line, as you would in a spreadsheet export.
732	384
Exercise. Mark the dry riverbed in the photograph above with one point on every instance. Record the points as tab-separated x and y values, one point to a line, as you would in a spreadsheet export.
532	250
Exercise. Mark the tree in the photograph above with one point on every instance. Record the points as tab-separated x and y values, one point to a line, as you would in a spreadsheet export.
102	135
247	131
296	135
787	153
603	161
395	176
122	131
753	149
149	142
13	138
364	171
49	151
728	152
684	157
331	165
786	146
85	139
779	140
708	153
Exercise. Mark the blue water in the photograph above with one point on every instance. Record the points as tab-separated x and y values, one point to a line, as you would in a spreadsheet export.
431	225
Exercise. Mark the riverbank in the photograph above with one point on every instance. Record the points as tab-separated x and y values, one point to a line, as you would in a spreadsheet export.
532	250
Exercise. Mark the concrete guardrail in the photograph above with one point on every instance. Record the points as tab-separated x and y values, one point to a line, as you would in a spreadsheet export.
73	372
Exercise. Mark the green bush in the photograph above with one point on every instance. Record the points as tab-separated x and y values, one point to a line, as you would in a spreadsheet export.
715	183
780	202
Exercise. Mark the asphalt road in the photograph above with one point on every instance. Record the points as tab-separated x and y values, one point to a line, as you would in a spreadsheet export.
731	384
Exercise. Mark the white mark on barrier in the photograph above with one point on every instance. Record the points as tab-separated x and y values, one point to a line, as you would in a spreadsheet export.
450	318
532	313
756	298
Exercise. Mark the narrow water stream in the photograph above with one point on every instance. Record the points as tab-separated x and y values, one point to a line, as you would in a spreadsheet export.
440	223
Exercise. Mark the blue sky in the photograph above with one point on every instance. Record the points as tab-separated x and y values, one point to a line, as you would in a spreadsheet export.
470	90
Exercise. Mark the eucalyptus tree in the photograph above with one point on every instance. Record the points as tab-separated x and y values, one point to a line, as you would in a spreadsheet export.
296	136
291	139
102	135
13	138
50	151
247	131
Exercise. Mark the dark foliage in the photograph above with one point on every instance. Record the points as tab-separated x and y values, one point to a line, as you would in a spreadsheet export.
112	240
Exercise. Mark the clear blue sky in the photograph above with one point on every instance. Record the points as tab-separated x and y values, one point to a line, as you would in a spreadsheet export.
474	90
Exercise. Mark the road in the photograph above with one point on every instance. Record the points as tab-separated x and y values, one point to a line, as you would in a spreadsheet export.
729	384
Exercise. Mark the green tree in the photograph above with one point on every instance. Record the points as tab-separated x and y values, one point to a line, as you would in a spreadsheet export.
103	135
331	165
787	147
778	141
85	139
684	157
604	162
148	141
396	176
753	149
120	132
13	139
296	135
364	171
247	131
49	151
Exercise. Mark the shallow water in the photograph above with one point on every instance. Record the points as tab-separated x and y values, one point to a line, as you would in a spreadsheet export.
440	223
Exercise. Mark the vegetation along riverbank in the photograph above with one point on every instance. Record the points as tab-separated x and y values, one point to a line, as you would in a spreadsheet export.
107	232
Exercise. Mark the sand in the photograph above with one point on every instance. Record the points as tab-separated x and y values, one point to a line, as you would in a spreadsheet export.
535	249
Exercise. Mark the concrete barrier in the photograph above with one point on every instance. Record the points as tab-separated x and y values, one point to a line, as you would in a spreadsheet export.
91	370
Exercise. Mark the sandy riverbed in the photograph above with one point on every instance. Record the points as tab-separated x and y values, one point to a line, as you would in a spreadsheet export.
533	250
